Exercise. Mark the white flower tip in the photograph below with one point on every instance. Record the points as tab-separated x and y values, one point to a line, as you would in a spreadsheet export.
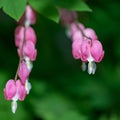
83	66
94	68
27	23
14	106
67	32
28	86
28	63
91	68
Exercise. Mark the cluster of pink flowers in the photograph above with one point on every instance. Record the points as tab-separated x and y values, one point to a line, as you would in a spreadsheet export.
25	40
85	43
86	46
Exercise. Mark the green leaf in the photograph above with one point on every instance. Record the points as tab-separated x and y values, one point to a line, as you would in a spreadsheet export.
1	3
48	8
75	5
45	8
14	9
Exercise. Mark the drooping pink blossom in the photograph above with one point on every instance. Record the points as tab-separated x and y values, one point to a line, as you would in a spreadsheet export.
22	32
10	89
23	72
29	50
77	39
97	51
76	49
14	90
91	52
85	50
21	90
92	48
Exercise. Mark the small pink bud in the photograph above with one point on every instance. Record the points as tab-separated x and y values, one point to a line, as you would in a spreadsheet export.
23	72
67	16
10	90
30	14
74	27
90	33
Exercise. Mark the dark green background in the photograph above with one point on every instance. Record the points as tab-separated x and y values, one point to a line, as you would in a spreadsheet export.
60	89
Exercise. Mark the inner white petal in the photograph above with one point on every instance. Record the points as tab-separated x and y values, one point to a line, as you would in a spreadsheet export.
27	86
67	32
16	97
27	23
83	66
28	63
90	68
94	68
90	58
14	106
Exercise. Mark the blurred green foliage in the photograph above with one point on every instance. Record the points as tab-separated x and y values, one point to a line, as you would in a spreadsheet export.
47	8
60	90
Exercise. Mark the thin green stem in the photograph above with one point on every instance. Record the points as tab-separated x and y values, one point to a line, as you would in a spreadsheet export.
16	75
21	53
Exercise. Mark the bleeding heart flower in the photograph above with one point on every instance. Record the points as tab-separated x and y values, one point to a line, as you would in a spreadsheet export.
97	51
29	50
23	72
14	90
10	89
22	32
92	52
